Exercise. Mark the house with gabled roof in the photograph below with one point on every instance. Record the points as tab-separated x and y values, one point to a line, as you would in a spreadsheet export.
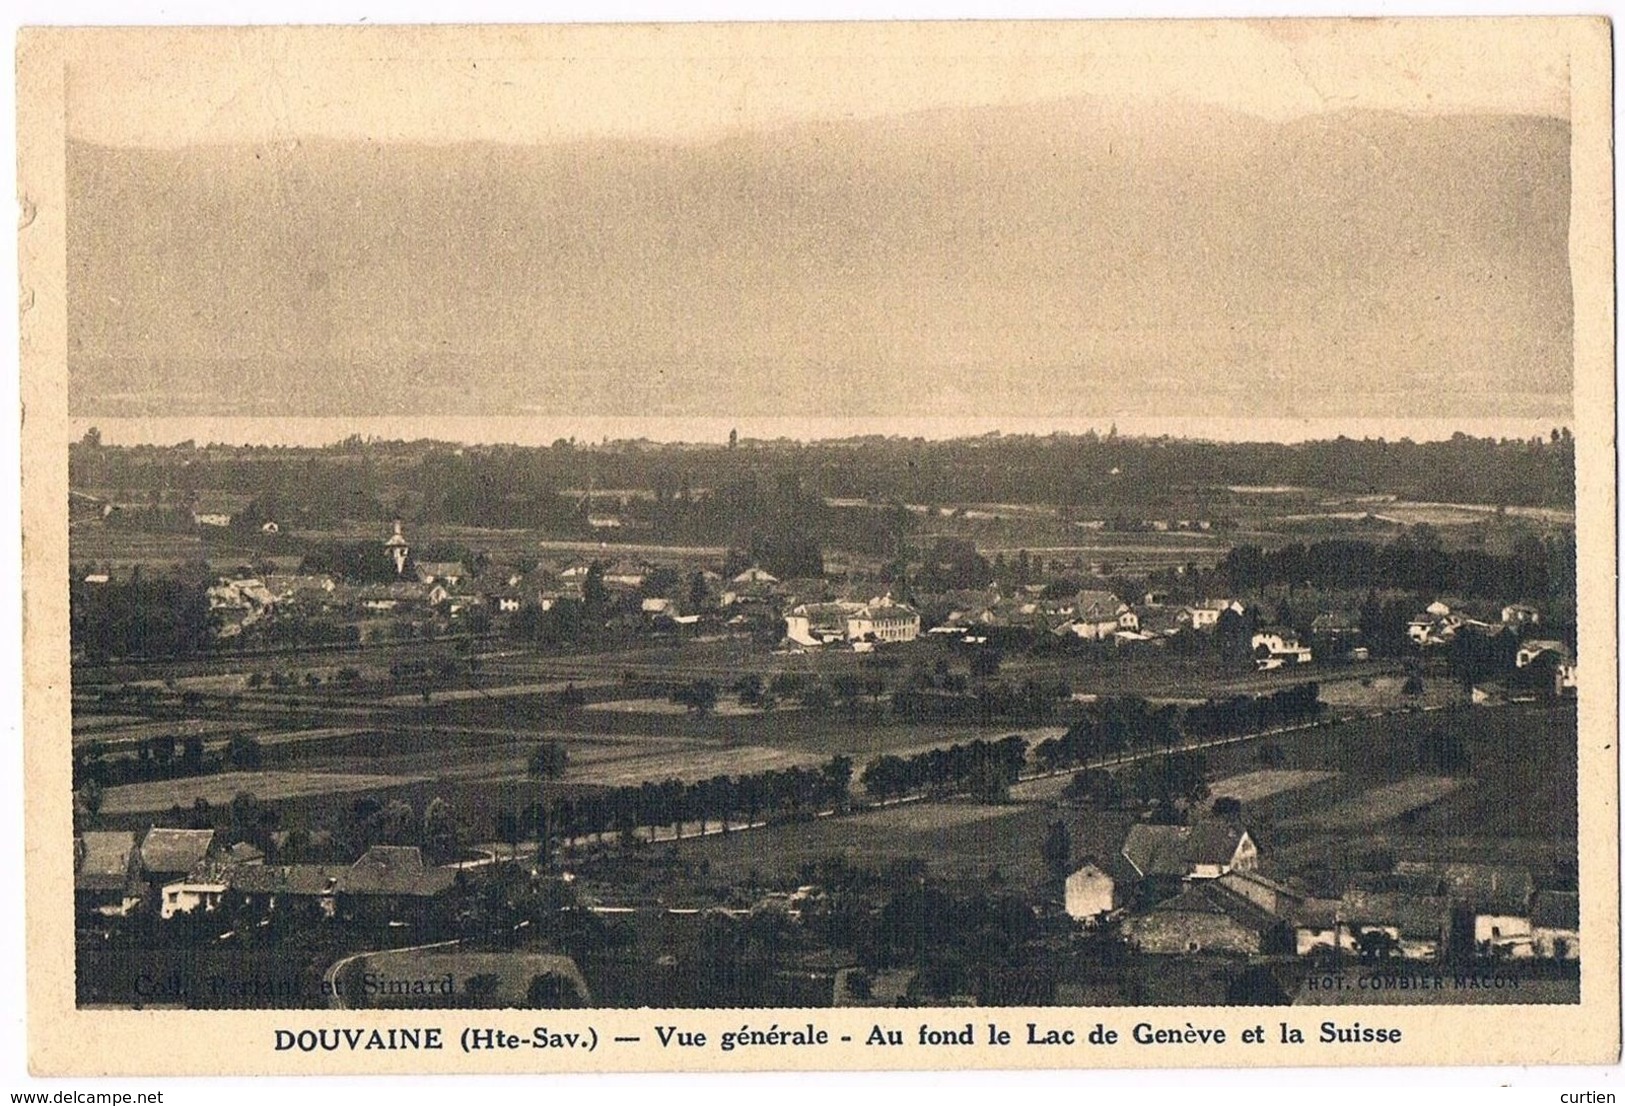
282	886
203	890
449	573
311	588
107	872
1529	650
1204	614
1276	646
1318	927
1091	893
389	881
1207	850
1208	917
169	853
1520	614
1096	616
1409	925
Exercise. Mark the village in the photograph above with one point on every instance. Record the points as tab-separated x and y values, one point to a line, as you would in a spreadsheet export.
1162	763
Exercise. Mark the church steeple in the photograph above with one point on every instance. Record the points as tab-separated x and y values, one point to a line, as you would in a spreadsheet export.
398	549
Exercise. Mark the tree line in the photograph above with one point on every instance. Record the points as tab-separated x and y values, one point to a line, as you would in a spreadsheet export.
526	486
984	769
722	799
1122	724
1534	569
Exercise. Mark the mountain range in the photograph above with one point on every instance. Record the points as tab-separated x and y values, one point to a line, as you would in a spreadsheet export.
1075	258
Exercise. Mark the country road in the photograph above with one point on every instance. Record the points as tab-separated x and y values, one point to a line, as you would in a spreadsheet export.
330	986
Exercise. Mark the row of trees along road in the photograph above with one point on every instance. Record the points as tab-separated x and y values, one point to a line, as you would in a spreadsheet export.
1121	724
724	800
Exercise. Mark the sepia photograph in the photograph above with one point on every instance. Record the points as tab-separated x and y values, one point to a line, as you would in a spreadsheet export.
888	523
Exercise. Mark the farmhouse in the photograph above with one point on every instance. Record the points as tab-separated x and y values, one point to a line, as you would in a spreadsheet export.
1505	935
1274	646
243	853
1336	629
106	872
270	887
241	594
1520	614
1206	850
1318	926
505	599
1469	884
449	573
1435	626
1098	615
183	896
1412	926
168	854
403	595
1090	893
754	585
313	590
1535	647
1263	892
390	881
754	576
1204	614
1208	917
628	575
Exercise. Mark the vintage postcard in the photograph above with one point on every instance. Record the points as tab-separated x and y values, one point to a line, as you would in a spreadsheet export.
819	546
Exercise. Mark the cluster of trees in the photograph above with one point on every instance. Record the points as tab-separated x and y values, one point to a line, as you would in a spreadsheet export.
979	942
144	615
361	562
723	799
1170	783
1121	724
984	769
437	831
1441	750
162	757
1241	714
1110	726
1535	569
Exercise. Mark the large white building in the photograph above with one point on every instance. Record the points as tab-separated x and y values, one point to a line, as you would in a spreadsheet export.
881	620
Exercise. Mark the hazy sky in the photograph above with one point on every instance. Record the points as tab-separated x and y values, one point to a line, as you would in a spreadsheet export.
1292	220
543	84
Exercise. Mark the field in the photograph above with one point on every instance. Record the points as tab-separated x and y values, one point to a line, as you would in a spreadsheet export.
160	795
954	839
1251	786
1346	784
1348	787
1394	800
